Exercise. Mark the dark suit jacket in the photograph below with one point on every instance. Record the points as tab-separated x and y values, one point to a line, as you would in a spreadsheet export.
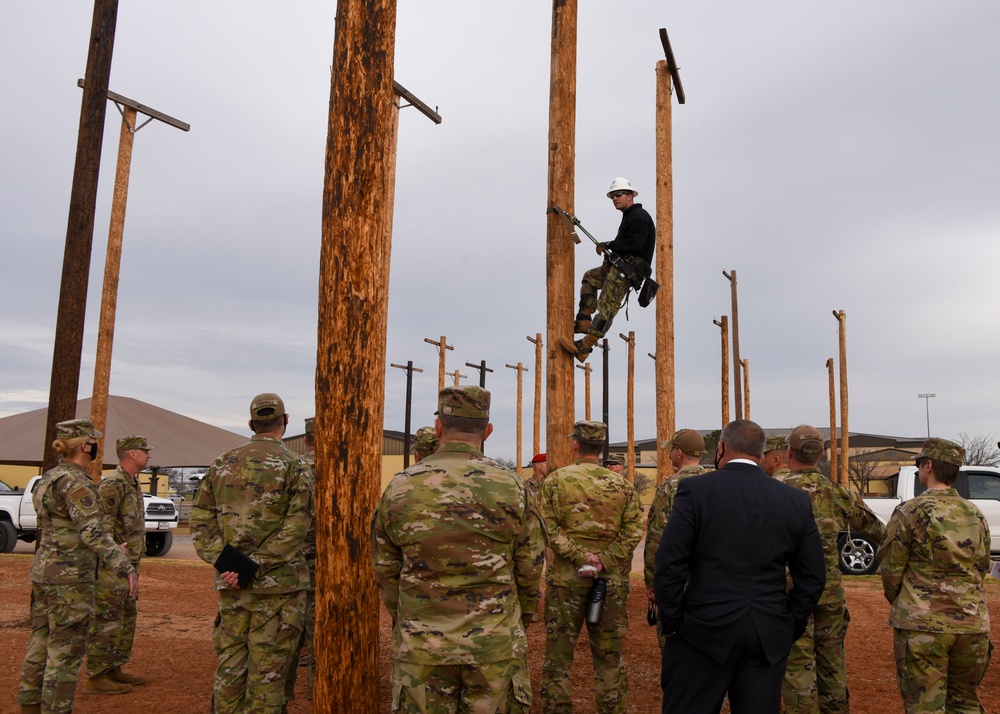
723	554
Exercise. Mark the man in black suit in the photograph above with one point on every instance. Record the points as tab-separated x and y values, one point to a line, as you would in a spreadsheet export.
720	582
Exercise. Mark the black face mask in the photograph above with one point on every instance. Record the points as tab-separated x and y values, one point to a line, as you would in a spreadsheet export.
90	449
718	455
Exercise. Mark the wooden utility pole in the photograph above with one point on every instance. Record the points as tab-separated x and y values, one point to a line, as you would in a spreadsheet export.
630	404
457	377
410	369
64	382
604	394
442	346
746	388
560	261
350	356
586	390
833	419
483	369
666	70
724	327
521	369
536	437
737	363
844	431
112	264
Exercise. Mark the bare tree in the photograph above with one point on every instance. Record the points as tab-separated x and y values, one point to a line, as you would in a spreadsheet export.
861	470
643	482
980	450
508	463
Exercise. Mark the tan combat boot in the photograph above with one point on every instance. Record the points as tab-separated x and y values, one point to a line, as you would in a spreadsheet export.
580	349
105	685
126	678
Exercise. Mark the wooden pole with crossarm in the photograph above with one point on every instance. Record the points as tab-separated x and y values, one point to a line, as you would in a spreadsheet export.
536	437
442	346
833	418
844	431
723	324
630	405
521	369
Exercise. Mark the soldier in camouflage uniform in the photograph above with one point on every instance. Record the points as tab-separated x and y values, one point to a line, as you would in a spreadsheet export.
816	675
539	470
934	557
775	459
425	443
685	450
594	518
614	463
257	498
457	548
71	540
112	628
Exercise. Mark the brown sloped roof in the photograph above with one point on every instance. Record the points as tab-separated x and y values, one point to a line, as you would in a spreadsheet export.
177	440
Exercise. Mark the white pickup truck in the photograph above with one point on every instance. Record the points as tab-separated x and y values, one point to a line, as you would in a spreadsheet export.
19	522
979	484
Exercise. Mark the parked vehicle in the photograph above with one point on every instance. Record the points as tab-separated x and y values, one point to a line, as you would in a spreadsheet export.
979	484
19	522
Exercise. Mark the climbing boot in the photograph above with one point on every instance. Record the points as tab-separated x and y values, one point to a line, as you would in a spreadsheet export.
126	678
582	323
580	349
105	685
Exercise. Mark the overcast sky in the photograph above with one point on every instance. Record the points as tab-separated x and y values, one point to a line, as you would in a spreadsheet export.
837	156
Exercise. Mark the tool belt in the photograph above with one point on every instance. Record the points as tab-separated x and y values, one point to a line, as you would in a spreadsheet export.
638	274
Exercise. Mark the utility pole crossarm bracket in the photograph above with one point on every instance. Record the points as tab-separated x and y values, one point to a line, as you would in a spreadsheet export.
143	109
672	67
403	366
404	93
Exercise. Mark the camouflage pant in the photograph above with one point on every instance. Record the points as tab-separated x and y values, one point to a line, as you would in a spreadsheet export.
254	637
487	688
816	675
60	616
565	609
112	629
305	643
613	288
938	672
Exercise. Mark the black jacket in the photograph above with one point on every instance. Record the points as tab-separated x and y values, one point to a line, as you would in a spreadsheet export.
636	234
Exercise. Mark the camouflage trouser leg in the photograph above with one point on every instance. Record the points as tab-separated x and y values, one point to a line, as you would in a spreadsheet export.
613	287
487	688
254	637
60	617
565	609
112	628
305	643
798	689
938	672
830	622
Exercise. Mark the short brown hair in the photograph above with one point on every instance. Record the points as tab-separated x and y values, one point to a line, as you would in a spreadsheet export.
944	472
804	458
466	426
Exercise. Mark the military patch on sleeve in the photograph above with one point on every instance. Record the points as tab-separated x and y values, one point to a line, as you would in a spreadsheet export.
83	497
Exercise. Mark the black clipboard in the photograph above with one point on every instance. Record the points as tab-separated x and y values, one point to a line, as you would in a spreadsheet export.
232	560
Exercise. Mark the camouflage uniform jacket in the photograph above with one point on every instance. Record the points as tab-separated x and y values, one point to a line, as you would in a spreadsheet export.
534	487
590	509
124	515
309	545
781	474
71	536
659	514
258	499
836	510
934	556
458	548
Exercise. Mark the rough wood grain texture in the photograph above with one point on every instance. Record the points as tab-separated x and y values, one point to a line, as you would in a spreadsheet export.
109	298
666	400
559	263
833	418
71	313
350	359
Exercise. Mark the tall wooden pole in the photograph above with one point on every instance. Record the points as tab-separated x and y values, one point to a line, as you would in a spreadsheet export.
737	363
665	375
457	377
833	419
586	390
630	404
559	268
536	437
604	394
844	431
71	314
521	369
746	388
350	355
724	328
442	346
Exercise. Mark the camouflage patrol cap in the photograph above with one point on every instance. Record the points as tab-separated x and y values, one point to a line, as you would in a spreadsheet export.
614	461
127	443
776	443
266	406
311	425
76	429
593	432
806	439
469	401
688	441
942	450
425	441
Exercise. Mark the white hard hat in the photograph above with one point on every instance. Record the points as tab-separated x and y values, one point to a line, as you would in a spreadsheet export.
621	184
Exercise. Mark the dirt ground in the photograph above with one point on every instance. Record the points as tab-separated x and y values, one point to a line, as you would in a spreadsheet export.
174	646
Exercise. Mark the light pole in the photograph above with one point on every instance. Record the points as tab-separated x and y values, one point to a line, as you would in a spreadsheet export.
927	404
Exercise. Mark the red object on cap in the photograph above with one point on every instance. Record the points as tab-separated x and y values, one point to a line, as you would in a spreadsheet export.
539	458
